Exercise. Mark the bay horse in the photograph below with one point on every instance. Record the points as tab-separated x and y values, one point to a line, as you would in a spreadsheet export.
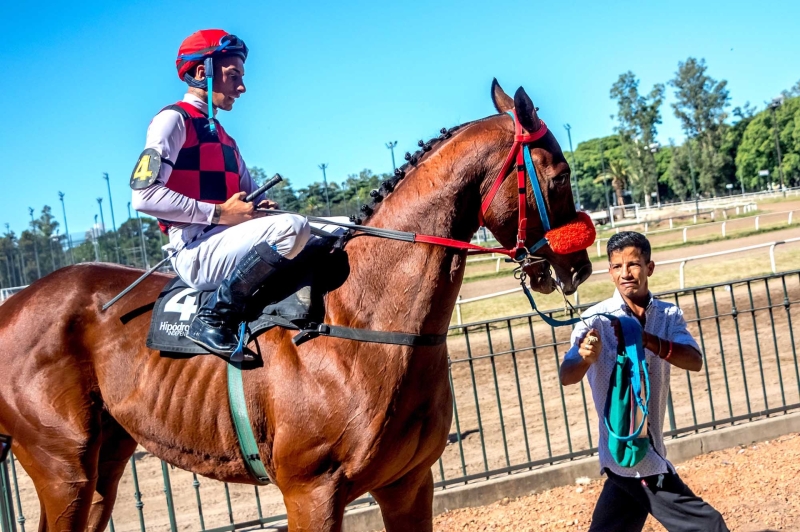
333	418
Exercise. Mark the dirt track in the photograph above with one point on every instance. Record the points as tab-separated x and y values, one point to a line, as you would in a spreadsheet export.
756	488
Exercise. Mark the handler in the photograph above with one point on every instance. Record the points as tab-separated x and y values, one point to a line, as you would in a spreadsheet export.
652	485
191	177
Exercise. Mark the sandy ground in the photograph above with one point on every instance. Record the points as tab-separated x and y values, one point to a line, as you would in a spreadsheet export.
756	488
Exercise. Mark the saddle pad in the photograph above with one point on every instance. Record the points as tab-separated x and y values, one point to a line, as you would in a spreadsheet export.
177	305
298	291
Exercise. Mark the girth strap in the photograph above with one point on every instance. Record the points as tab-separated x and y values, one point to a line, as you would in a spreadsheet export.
366	335
241	421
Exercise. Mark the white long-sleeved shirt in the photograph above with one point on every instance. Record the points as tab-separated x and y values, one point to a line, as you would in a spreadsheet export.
166	134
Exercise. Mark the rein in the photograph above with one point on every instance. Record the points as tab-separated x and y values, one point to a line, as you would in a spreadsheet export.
520	151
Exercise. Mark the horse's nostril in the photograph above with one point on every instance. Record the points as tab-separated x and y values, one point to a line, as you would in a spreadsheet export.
582	274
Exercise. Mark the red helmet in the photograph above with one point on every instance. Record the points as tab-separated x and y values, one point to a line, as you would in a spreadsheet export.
207	43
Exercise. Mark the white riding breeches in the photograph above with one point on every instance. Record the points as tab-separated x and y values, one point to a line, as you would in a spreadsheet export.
212	257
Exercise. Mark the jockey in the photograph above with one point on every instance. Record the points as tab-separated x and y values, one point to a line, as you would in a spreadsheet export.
191	177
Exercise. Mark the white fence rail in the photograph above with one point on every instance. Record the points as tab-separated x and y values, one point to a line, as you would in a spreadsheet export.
5	293
723	226
771	245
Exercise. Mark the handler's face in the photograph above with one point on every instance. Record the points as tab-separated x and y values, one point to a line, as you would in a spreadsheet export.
630	271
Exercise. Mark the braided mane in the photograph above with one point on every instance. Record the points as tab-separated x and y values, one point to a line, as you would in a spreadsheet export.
388	186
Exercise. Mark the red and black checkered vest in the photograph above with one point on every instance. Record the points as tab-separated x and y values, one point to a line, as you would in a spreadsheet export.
207	168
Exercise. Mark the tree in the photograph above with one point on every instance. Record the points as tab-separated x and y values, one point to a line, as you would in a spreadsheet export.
591	158
700	107
637	118
794	92
756	151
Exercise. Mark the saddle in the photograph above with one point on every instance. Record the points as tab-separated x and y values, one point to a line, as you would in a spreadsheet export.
318	269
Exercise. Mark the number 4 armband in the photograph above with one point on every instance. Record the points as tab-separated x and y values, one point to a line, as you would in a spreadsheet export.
146	170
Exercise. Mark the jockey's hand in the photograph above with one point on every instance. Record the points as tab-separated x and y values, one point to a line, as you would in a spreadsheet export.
268	204
236	210
591	346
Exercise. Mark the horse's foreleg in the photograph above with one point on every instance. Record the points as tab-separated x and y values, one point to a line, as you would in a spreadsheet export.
115	451
314	506
408	503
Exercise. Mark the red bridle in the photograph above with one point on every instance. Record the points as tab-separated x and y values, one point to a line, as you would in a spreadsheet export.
521	140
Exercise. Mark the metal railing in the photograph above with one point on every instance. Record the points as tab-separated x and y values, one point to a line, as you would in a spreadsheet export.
510	411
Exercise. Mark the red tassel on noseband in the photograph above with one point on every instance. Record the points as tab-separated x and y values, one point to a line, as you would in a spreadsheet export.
576	235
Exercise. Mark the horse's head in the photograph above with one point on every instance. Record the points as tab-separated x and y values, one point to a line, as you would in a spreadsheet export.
571	267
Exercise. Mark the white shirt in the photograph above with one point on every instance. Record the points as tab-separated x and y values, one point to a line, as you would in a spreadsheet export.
664	320
166	134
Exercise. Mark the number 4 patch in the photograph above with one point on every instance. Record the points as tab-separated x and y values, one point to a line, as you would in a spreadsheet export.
146	171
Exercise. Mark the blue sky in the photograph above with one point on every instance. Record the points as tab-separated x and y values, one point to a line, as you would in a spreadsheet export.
333	81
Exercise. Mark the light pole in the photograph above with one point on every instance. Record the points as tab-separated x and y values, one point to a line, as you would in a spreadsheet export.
35	247
653	148
22	279
574	166
102	220
777	102
113	222
144	247
66	228
322	167
391	146
13	273
94	240
52	253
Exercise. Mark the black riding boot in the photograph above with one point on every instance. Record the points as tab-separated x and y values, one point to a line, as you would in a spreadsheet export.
214	326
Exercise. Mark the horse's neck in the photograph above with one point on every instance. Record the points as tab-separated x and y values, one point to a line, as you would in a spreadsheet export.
399	286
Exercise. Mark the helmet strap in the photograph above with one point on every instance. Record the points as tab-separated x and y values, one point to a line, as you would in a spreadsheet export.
209	66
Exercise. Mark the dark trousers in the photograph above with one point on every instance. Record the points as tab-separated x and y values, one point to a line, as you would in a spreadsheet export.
625	502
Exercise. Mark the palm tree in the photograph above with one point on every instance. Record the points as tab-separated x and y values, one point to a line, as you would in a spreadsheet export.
617	173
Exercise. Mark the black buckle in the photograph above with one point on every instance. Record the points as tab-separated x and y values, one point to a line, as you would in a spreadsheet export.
312	331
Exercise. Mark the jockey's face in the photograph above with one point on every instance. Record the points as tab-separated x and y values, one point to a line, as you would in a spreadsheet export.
228	81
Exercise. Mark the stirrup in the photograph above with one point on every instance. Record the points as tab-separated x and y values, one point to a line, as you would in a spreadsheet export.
239	354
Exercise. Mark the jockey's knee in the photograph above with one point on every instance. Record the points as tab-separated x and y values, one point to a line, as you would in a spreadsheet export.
288	233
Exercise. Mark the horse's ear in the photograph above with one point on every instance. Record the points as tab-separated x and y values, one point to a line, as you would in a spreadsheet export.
526	111
502	101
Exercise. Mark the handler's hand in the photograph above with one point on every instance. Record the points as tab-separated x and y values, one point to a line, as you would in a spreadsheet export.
268	204
236	210
591	346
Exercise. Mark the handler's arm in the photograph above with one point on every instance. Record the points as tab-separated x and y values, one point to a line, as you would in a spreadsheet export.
683	356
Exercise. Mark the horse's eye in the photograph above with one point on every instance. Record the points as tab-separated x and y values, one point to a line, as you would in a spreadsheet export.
561	180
